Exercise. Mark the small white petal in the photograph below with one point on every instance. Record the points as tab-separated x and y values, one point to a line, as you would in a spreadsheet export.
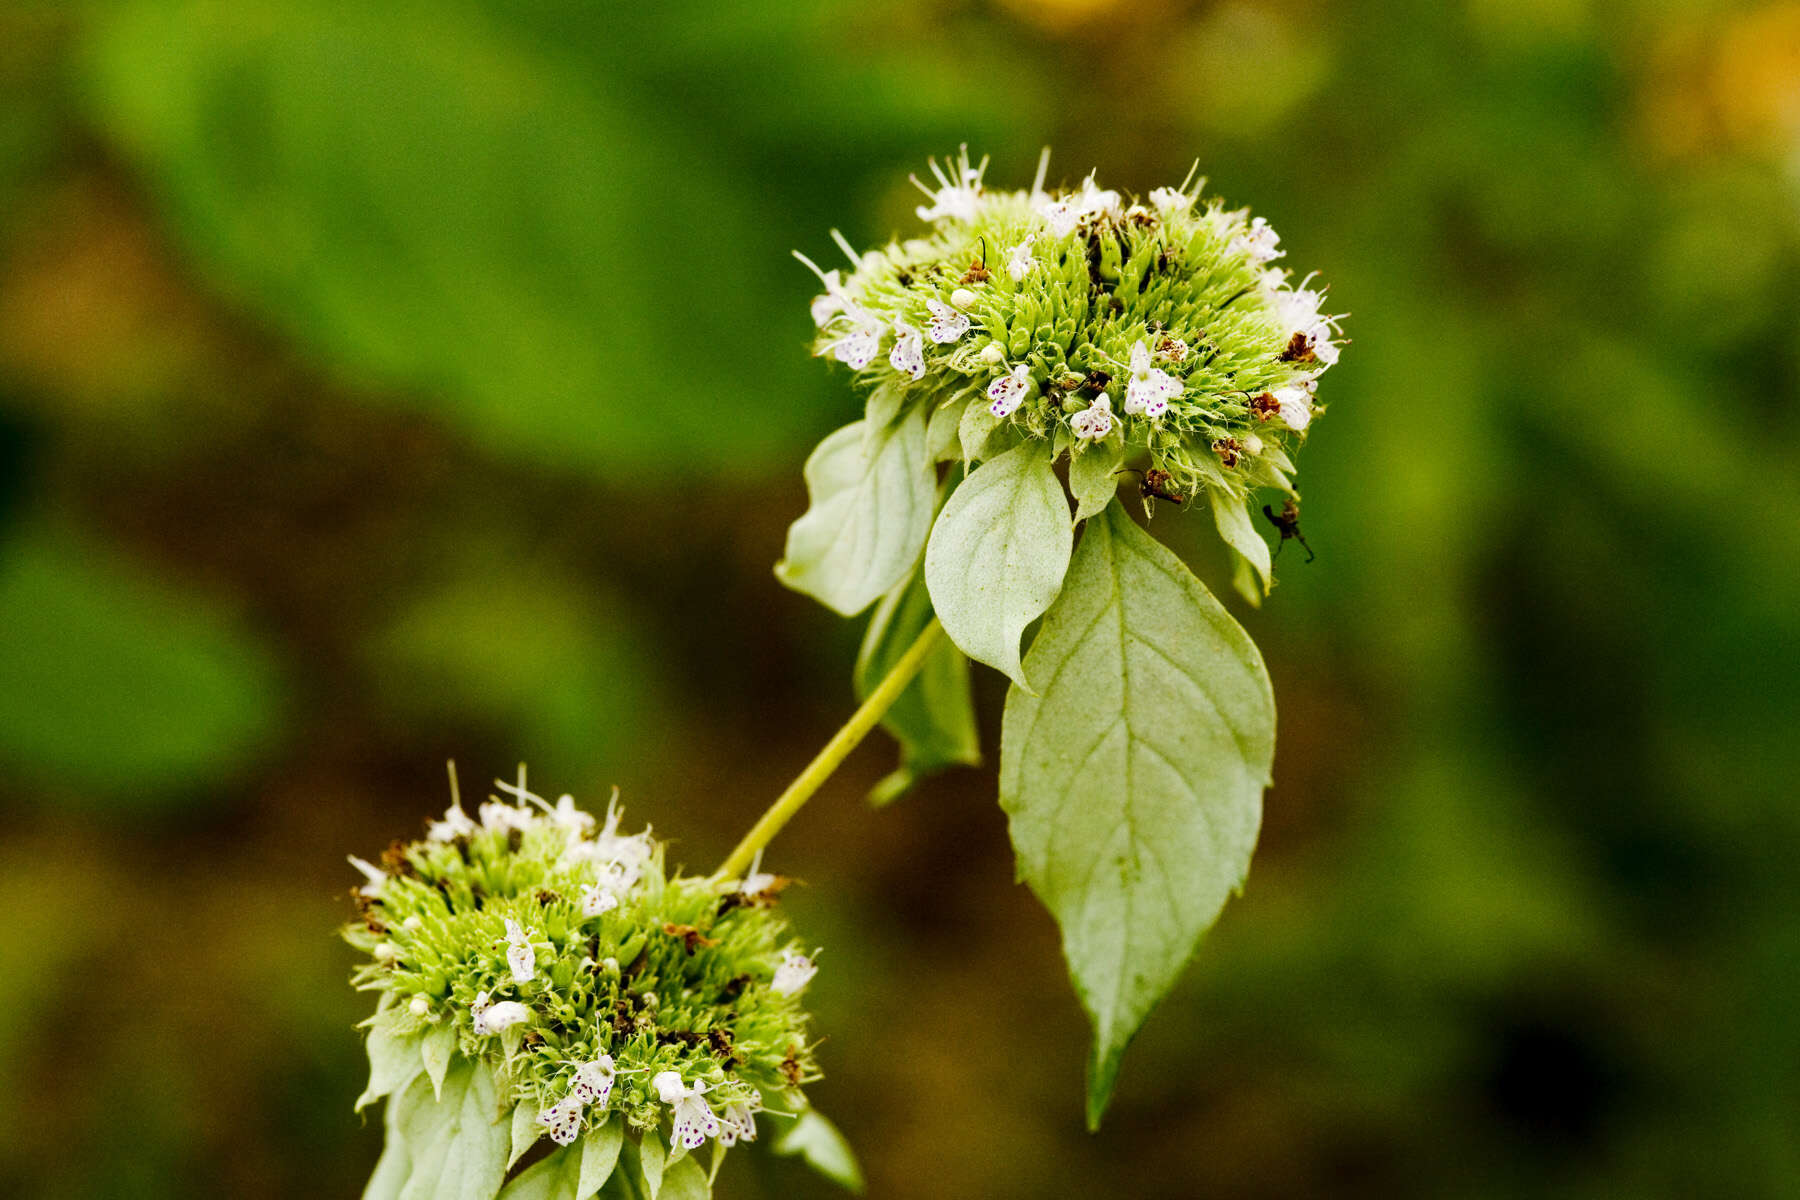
908	354
947	325
858	349
374	874
563	1120
794	973
1009	391
1095	421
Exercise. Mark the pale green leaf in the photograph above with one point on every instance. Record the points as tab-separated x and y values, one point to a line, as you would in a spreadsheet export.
942	440
685	1180
556	1176
1093	476
599	1154
1134	781
652	1158
973	429
872	501
817	1140
438	1049
1235	526
882	406
393	1061
998	553
934	718
457	1142
525	1130
395	1165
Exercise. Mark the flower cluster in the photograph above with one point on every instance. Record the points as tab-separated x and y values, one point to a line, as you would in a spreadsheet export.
1162	326
558	951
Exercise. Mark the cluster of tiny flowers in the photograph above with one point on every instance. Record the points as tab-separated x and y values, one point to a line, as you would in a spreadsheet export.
1084	318
557	949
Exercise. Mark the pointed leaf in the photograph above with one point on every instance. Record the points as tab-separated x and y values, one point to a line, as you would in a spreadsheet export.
872	495
393	1061
652	1157
998	553
437	1051
817	1140
1134	782
973	429
525	1130
934	718
458	1143
1092	477
1235	526
556	1176
599	1154
942	432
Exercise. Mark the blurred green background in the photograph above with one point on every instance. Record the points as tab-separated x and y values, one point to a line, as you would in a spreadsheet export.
381	384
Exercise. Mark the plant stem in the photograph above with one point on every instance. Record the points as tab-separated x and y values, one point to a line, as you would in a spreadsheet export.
834	753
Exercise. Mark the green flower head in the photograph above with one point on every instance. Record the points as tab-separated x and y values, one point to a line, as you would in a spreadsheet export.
563	960
1156	328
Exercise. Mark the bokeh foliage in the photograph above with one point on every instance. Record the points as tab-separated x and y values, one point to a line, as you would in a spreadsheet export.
382	383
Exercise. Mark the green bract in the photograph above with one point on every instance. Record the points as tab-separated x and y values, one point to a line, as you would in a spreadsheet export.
541	973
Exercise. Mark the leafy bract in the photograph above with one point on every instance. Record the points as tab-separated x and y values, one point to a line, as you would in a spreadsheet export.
457	1142
934	718
556	1176
998	553
395	1165
1134	780
816	1140
1093	478
873	493
1235	526
393	1061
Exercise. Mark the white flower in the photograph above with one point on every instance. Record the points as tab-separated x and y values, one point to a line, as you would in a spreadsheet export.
947	324
794	973
758	880
693	1119
563	1120
1095	421
993	354
958	194
831	302
962	298
1151	388
566	816
1252	444
1023	262
456	823
598	898
496	815
1009	391
374	874
908	354
737	1124
1296	406
857	349
492	1018
1258	241
519	954
1061	215
1319	337
594	1081
1169	199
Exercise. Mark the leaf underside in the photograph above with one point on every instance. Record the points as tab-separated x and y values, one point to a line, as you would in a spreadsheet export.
998	553
873	493
1133	781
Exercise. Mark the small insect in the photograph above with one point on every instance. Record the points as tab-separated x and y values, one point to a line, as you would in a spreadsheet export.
1227	449
692	938
978	272
1287	522
1299	349
1157	483
1095	383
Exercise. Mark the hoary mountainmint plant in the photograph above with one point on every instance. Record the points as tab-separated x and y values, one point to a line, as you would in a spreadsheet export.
1027	354
562	1016
544	976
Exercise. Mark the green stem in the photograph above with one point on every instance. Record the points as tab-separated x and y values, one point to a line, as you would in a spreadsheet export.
834	753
